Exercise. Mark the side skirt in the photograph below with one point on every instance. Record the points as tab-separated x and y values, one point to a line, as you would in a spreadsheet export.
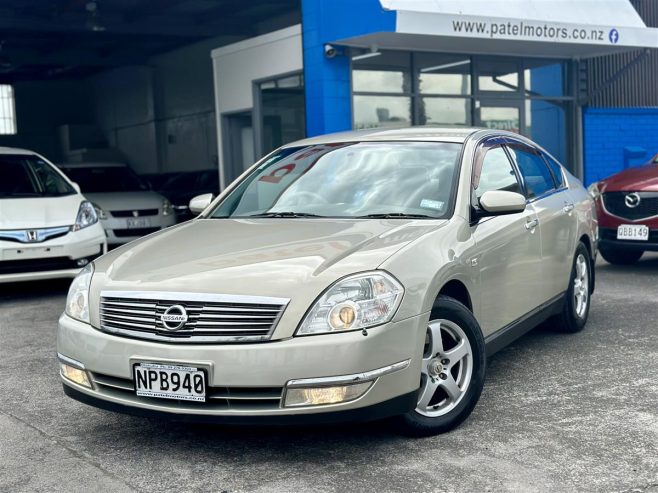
511	332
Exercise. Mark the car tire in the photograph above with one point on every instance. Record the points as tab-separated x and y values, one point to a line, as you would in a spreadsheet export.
621	257
578	297
453	371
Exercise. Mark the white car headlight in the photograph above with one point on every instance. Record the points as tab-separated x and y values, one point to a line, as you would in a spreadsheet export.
77	301
354	303
167	208
86	216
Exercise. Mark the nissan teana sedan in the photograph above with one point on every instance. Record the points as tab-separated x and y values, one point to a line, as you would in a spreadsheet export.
348	277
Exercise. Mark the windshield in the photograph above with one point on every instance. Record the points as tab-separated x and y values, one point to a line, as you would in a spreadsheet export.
355	180
30	176
103	179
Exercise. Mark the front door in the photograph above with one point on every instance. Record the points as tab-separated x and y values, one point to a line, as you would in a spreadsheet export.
509	250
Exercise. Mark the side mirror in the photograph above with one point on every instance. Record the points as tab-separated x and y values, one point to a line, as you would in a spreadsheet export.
199	203
499	203
76	187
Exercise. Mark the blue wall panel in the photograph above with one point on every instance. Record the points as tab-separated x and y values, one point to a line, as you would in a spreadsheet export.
608	132
327	80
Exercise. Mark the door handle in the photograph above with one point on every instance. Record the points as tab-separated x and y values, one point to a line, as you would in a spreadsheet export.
568	208
532	224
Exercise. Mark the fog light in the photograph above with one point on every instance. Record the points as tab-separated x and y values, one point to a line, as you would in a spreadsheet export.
81	262
75	375
317	396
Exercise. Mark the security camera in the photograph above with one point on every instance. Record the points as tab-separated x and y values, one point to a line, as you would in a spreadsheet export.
330	51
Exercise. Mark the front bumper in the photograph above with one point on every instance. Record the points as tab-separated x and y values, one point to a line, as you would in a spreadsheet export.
608	240
249	380
50	259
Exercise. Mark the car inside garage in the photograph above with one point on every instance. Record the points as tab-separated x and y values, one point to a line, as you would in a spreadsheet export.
124	83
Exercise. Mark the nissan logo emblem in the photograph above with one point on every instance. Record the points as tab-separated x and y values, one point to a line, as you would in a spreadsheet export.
174	317
632	200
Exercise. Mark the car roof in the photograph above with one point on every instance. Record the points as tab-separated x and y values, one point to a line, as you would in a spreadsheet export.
434	134
92	165
15	150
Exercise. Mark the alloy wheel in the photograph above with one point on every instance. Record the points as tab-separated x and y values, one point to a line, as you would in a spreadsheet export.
446	370
581	286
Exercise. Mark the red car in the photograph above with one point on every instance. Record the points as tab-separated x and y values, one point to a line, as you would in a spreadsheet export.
627	206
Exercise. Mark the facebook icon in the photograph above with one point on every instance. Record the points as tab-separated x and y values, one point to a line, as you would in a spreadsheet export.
613	36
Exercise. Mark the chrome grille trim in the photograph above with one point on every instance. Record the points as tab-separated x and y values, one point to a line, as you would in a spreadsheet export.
218	398
212	318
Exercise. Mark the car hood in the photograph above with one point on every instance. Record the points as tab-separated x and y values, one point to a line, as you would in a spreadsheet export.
294	259
121	201
640	179
39	212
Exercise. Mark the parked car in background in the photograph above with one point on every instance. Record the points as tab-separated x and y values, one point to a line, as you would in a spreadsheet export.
627	207
183	187
47	228
349	276
126	206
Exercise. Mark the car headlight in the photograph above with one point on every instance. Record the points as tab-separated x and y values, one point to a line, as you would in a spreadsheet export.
354	303
167	208
99	211
86	216
77	301
595	190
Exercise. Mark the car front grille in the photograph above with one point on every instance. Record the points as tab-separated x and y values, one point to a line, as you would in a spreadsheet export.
615	203
217	398
135	213
127	233
210	318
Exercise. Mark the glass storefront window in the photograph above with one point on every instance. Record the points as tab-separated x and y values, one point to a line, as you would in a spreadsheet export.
438	74
501	118
498	76
381	111
379	81
282	111
444	111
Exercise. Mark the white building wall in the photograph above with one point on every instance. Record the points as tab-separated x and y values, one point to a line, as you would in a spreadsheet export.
237	66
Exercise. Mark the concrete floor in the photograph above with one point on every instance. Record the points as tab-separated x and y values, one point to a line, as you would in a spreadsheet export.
558	413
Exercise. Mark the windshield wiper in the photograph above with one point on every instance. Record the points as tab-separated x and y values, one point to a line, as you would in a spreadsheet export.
396	215
284	214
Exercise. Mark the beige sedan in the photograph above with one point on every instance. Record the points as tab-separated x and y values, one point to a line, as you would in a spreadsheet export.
351	276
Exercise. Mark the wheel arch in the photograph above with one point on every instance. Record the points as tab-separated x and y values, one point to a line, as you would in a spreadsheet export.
585	240
457	290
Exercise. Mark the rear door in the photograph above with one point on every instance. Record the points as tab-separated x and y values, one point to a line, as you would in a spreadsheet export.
557	224
508	247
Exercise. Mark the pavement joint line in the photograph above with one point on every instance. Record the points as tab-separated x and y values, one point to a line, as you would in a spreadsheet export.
73	451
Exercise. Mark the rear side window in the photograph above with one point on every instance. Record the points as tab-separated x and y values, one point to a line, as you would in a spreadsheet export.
536	175
497	173
556	169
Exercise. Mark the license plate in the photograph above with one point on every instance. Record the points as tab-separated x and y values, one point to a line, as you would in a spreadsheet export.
170	382
638	232
138	222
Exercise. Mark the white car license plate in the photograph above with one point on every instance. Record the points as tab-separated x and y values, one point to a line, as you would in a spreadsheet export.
170	382
638	232
138	222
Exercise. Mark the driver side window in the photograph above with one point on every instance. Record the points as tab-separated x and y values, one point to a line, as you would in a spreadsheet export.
497	173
